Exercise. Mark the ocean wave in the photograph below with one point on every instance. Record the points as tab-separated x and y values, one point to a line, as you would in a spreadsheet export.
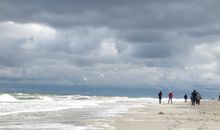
78	97
46	98
21	94
82	98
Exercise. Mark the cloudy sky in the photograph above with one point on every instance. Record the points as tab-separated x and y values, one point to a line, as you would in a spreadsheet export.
110	42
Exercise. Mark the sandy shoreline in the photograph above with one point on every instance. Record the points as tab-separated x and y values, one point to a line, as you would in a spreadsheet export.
178	116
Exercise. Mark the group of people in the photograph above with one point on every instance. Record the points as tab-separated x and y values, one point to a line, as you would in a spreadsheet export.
195	97
170	95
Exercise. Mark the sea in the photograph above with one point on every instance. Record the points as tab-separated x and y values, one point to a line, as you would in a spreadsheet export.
69	108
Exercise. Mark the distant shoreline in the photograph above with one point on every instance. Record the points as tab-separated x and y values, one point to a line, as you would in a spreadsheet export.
103	91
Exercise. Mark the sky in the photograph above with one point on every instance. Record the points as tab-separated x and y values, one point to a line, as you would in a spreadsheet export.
130	43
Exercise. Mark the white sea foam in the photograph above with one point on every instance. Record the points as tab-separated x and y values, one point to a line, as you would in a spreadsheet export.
7	98
19	93
45	105
57	126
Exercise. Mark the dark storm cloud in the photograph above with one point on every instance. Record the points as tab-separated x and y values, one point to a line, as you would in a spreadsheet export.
120	13
104	35
136	21
154	51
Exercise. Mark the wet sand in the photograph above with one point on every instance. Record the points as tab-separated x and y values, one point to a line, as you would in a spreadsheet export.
178	116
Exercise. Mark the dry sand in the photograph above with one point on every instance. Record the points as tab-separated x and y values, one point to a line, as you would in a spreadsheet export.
178	116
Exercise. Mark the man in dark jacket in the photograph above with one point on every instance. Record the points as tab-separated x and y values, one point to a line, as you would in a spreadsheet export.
185	97
160	96
193	97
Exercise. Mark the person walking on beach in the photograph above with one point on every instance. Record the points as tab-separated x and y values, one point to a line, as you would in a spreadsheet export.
198	98
170	95
219	97
160	96
193	98
185	97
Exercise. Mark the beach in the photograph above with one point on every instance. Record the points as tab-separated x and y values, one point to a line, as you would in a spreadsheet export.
178	116
26	111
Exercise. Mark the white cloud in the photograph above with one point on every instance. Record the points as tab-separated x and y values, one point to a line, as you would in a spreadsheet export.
13	30
108	48
203	65
27	36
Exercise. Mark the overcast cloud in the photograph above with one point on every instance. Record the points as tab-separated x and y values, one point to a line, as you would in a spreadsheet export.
110	42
